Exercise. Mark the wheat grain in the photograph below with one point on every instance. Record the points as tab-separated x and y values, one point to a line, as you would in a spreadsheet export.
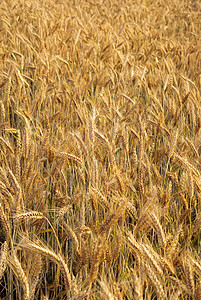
99	149
3	258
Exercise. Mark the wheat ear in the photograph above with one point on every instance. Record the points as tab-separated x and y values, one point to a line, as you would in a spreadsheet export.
3	258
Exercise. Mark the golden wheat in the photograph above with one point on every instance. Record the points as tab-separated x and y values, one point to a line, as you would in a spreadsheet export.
100	149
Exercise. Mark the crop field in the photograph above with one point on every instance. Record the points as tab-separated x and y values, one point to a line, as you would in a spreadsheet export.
100	149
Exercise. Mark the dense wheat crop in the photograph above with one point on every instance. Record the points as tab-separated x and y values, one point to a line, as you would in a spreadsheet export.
100	144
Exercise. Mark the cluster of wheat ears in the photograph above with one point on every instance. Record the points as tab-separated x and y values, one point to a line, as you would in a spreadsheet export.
100	143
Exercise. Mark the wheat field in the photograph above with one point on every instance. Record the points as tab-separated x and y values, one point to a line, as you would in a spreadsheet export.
100	144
